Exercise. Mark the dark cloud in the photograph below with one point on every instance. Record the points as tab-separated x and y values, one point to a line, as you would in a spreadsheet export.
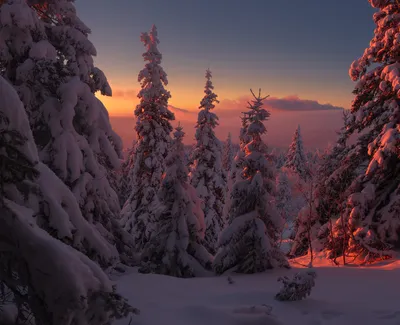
290	103
294	103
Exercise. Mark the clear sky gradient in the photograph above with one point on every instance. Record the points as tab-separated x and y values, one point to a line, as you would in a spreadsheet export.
286	47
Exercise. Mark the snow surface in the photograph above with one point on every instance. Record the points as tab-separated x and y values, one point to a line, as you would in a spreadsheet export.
341	296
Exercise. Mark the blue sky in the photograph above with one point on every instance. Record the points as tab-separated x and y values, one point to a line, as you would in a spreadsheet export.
291	47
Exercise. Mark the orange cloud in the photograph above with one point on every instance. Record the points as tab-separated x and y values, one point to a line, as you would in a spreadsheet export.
318	123
181	110
125	93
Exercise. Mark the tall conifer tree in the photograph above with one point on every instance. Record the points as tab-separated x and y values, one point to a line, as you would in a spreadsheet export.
47	56
249	243
153	129
177	247
370	222
207	174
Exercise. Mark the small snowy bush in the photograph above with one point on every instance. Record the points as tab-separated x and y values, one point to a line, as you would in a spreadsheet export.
298	288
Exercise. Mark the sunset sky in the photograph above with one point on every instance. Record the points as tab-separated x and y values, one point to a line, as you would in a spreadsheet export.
294	50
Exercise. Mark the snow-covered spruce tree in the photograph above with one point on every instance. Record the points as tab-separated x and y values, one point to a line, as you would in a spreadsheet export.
307	223
283	201
48	59
313	157
230	166
372	214
186	155
335	174
52	281
244	137
296	158
237	164
277	157
330	179
228	154
207	174
280	161
283	196
153	129
177	248
124	189
249	243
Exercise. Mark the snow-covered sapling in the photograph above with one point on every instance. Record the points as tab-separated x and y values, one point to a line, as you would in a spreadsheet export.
296	158
297	288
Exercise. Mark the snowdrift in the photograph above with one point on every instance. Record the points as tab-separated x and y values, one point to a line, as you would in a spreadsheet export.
345	296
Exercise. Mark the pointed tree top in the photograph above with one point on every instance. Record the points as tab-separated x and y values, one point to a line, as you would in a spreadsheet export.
210	97
208	74
150	41
259	95
179	134
255	106
297	135
154	35
256	111
256	115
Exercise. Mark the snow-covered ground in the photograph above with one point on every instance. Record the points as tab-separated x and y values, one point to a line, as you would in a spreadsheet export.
342	296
